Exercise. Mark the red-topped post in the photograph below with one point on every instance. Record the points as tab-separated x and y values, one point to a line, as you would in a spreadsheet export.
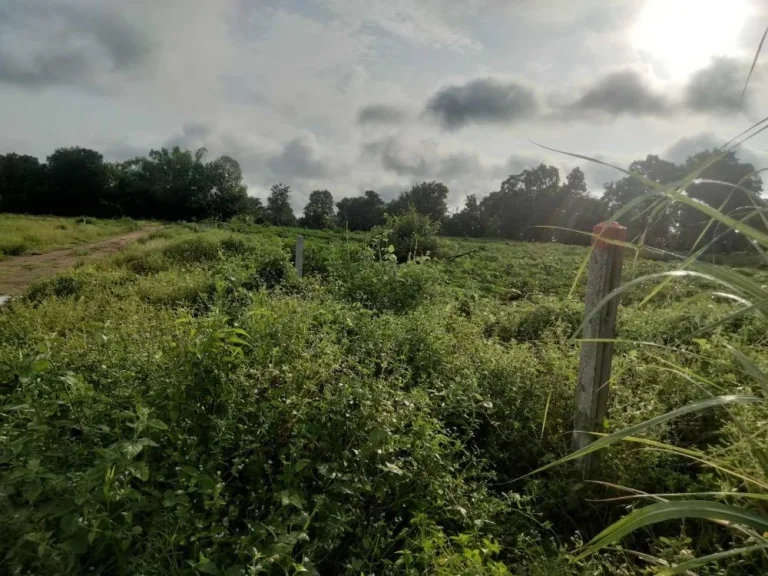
603	276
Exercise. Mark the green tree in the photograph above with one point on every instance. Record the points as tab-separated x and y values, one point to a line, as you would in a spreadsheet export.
524	200
279	211
252	206
228	194
644	224
361	212
428	198
574	210
77	183
467	222
735	202
319	211
22	184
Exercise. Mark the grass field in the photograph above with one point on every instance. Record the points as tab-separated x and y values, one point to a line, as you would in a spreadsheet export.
189	406
34	234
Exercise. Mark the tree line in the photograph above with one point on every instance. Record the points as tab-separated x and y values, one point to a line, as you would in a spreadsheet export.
533	205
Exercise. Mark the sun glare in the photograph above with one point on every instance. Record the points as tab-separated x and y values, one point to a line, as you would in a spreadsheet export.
683	35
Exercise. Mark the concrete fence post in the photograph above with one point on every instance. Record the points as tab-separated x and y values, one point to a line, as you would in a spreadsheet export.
603	276
300	256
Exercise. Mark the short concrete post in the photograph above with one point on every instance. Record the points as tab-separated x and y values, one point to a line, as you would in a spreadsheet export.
300	256
603	276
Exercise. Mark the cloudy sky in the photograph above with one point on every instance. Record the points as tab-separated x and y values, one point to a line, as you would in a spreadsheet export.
351	95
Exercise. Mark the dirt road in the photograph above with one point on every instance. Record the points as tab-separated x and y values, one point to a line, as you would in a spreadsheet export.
20	271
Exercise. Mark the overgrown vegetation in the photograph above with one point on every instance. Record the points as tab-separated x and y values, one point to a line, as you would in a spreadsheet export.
191	406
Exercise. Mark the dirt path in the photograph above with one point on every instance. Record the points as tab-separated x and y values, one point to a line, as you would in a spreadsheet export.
20	271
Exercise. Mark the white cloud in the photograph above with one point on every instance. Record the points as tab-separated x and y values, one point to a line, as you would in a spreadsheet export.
281	86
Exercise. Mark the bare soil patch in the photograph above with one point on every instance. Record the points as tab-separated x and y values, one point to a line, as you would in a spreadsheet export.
17	273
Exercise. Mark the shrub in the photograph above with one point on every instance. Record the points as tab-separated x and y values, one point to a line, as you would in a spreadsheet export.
536	320
59	286
148	263
233	245
385	285
13	247
412	234
196	249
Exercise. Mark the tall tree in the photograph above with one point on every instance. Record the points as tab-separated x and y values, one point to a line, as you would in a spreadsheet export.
22	184
253	207
279	211
77	183
227	191
361	212
428	198
524	201
574	211
469	221
319	211
651	226
717	189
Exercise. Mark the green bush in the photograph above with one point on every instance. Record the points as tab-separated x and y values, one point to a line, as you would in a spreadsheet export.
385	285
13	247
60	287
539	319
195	249
411	234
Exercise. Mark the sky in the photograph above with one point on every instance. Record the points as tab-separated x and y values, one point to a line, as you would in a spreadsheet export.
353	95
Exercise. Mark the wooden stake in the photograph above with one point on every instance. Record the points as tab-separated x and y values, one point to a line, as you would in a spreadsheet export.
603	276
300	256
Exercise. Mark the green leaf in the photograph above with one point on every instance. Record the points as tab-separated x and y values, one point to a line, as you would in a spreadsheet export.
377	436
389	467
288	498
41	365
677	509
209	568
132	449
140	470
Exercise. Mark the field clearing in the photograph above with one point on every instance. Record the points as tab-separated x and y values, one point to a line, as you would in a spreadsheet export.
19	272
189	406
21	234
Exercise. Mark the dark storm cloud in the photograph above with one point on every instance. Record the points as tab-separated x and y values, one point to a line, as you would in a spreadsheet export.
45	43
622	92
464	173
193	136
684	148
394	158
717	88
681	150
121	151
298	159
380	114
485	100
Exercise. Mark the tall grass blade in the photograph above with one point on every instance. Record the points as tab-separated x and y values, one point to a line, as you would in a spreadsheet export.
662	511
610	439
698	562
754	63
